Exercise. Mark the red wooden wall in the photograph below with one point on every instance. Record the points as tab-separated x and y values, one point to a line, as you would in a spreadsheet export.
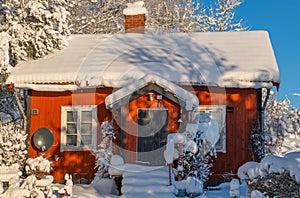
49	116
238	123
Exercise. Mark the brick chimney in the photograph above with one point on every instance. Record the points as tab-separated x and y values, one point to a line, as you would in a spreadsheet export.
135	17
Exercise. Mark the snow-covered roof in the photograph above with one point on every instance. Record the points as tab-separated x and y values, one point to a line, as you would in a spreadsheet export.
189	99
225	59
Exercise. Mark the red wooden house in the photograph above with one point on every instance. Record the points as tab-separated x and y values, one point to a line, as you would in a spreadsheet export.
150	85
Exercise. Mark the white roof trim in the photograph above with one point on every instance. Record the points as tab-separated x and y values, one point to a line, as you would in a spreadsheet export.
190	99
46	87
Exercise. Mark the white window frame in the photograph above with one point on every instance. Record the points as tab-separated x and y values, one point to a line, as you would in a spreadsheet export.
221	144
63	135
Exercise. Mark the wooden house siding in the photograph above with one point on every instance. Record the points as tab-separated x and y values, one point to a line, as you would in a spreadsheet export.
244	103
49	105
238	125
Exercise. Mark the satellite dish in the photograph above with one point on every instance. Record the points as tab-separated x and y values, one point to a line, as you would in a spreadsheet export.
43	139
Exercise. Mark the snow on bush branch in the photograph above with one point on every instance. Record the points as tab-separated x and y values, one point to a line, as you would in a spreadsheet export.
13	148
274	176
39	166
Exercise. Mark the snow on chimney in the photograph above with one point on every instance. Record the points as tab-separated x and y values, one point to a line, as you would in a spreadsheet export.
135	16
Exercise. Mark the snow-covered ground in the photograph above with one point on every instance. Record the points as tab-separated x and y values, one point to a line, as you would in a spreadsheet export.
141	181
103	189
87	191
290	144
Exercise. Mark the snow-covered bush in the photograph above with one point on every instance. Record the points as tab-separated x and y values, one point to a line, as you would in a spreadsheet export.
281	120
13	148
197	166
39	166
274	176
104	151
256	148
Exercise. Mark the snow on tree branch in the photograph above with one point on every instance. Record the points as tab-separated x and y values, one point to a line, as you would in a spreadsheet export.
35	30
13	147
221	17
281	121
106	16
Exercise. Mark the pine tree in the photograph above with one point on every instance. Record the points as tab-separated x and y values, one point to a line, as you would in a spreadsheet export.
104	151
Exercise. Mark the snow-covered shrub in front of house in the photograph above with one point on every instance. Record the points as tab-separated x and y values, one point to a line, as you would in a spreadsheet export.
273	176
39	166
197	166
13	147
104	151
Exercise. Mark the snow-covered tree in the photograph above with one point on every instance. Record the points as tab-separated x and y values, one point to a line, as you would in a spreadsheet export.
106	16
222	17
96	16
35	29
191	16
281	120
104	151
28	29
13	145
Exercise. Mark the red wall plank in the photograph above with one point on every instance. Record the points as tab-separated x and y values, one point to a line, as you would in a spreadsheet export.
238	123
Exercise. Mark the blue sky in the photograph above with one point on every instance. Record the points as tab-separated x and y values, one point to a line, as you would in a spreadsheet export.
281	19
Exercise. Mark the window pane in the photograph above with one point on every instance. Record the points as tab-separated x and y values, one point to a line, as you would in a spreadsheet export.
86	128
71	140
71	129
86	116
86	140
71	116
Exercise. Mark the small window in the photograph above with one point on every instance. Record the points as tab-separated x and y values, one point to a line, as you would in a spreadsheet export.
78	128
205	116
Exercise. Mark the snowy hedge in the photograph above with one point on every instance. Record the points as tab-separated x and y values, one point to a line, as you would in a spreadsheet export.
274	176
13	147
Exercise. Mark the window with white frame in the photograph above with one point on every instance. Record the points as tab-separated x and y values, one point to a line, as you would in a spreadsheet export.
207	115
78	127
